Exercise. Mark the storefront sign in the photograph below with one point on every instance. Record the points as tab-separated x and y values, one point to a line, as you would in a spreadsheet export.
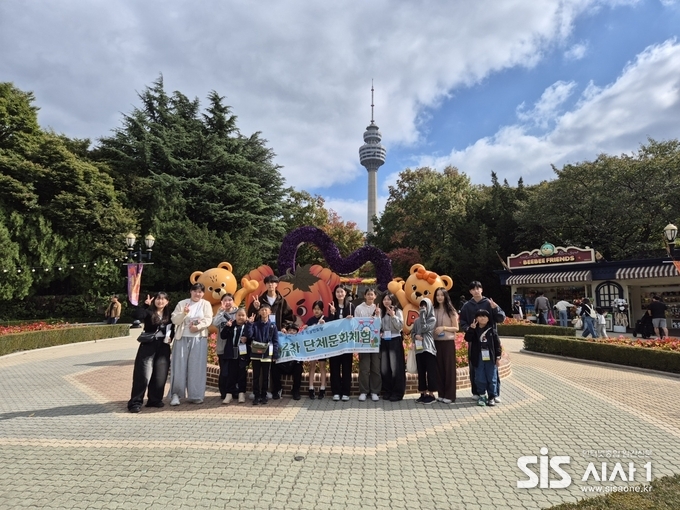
549	254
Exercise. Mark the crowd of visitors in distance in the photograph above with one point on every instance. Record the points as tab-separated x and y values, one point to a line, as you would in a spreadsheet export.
251	338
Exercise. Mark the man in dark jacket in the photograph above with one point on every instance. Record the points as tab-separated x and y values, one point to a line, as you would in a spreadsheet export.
467	317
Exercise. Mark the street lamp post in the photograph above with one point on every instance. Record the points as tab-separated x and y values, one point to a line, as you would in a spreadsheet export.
671	232
138	257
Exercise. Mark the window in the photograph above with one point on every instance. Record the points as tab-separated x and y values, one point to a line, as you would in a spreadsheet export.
606	293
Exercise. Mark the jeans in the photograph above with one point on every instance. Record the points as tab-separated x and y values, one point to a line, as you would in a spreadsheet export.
393	367
563	318
588	327
486	375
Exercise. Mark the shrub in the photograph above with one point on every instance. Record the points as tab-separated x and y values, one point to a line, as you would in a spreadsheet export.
523	329
622	354
27	340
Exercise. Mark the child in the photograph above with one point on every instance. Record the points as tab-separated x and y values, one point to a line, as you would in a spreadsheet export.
317	310
485	354
234	335
601	324
226	313
370	378
426	353
264	349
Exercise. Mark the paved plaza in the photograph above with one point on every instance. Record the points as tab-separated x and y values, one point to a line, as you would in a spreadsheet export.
67	440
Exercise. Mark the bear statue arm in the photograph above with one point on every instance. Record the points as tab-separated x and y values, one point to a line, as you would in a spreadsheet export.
247	287
397	288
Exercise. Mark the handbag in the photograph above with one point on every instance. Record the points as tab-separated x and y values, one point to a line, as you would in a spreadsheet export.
259	347
551	319
147	338
411	365
578	323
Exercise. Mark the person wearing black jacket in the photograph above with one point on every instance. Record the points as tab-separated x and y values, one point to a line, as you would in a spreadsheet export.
485	355
235	334
264	333
152	362
341	365
280	310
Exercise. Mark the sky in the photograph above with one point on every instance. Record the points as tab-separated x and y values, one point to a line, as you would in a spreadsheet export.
510	86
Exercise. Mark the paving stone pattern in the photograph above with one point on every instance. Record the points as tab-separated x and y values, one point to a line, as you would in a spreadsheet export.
67	440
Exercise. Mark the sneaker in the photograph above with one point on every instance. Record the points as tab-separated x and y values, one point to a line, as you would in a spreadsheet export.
491	402
311	394
481	401
228	399
175	400
345	398
395	398
196	401
445	400
375	397
362	397
256	401
135	409
241	398
429	399
420	399
322	393
336	397
155	404
276	395
498	400
264	400
296	395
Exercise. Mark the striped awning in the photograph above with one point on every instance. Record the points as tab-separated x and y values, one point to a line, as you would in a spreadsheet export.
561	277
660	271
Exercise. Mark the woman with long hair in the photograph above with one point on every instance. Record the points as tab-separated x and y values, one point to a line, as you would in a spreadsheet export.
445	331
370	379
341	365
392	365
152	362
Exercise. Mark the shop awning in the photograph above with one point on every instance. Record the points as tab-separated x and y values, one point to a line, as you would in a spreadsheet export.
659	271
561	277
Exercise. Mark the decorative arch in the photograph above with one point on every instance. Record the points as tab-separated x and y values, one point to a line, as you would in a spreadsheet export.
606	293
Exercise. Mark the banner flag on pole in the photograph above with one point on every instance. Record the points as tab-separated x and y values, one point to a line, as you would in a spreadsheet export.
134	282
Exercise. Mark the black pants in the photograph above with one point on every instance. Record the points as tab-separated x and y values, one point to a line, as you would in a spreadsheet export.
293	368
542	317
237	373
224	375
152	365
341	383
393	367
427	371
261	368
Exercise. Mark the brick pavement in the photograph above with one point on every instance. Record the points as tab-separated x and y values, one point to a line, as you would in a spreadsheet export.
67	441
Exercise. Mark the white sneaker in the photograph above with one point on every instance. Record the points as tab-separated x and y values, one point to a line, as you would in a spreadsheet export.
228	399
374	397
196	401
445	400
362	397
498	400
241	398
175	400
345	398
336	397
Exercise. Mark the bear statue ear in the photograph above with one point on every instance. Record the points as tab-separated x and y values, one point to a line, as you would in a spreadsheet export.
225	265
415	267
448	282
195	276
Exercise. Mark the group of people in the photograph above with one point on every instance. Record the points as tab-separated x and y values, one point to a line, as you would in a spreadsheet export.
251	338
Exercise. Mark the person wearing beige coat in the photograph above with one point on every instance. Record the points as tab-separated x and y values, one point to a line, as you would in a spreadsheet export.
191	318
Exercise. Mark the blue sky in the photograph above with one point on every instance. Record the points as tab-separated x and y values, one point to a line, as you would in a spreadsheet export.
510	86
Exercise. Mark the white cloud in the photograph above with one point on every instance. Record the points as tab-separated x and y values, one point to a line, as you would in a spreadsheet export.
643	102
576	52
298	71
546	108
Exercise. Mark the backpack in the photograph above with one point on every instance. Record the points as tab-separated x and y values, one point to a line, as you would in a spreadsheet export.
592	313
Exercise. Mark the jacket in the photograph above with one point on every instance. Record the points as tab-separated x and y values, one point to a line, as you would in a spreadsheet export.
267	333
424	326
476	336
280	309
467	313
160	329
392	324
178	317
341	312
231	338
220	322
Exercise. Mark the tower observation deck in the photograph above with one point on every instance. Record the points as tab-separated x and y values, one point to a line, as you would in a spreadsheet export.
372	156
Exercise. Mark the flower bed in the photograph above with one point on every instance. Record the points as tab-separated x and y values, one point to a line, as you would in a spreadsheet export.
33	326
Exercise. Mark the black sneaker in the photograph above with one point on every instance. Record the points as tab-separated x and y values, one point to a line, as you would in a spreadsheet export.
135	409
395	398
264	400
256	401
155	404
296	395
322	393
276	395
429	399
420	399
311	393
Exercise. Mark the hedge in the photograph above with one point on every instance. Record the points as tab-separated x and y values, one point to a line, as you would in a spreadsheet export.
534	329
28	340
643	357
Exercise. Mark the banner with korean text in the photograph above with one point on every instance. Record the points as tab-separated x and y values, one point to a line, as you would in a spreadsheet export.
358	334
